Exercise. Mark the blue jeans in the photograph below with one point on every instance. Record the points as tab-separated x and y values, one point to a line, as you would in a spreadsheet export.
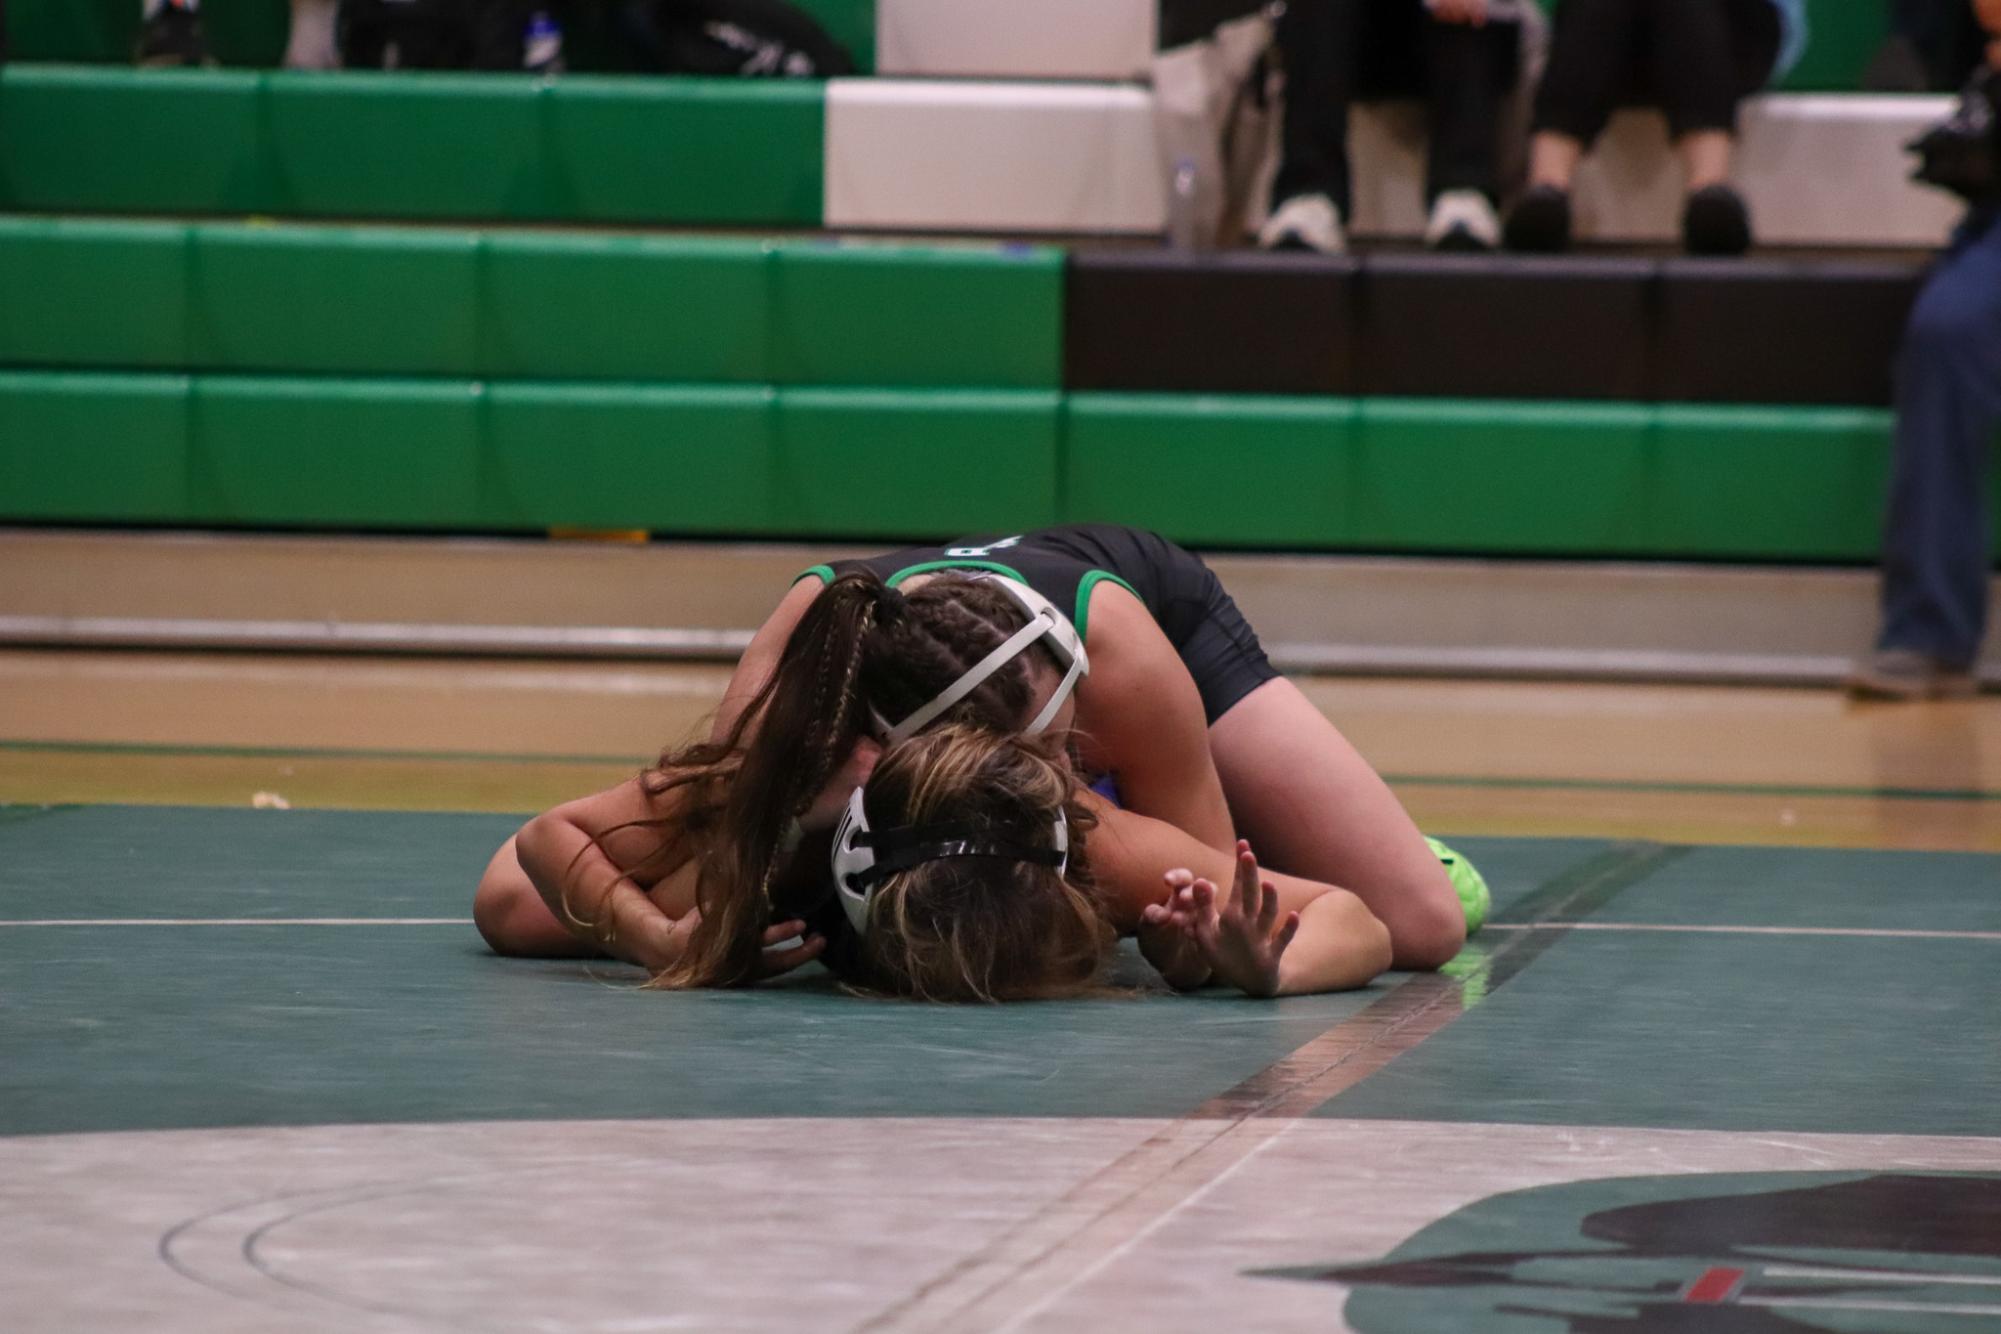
1936	536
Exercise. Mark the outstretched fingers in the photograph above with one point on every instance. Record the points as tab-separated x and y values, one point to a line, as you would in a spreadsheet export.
1286	932
1202	918
1247	881
782	957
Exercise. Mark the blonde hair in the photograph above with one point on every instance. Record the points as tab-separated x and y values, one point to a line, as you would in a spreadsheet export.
982	928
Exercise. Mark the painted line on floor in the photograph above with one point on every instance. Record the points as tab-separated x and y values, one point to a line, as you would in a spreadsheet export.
1639	785
1857	1304
1877	1275
23	810
28	745
236	921
177	751
1034	1264
1867	932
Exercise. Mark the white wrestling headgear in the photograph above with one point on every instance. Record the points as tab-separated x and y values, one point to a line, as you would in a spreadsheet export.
864	858
1045	625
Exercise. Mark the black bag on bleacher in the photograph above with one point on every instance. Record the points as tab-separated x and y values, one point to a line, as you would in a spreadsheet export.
431	34
1963	152
754	38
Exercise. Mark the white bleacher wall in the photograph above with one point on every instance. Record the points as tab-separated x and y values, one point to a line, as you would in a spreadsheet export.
992	157
1081	158
1015	39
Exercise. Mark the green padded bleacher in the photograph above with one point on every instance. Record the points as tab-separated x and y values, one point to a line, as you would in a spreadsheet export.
91	139
381	453
553	305
1440	476
1845	35
253	32
1483	477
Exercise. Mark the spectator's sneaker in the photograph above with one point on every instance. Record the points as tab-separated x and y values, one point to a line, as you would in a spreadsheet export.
1305	222
1467	882
1462	220
1539	224
1716	222
1903	673
172	37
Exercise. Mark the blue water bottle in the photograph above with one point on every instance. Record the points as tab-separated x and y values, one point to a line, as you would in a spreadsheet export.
542	44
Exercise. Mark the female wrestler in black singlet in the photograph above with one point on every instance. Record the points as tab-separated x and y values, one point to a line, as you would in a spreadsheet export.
1203	739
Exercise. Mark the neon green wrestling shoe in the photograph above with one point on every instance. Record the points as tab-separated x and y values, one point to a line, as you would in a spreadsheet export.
1467	881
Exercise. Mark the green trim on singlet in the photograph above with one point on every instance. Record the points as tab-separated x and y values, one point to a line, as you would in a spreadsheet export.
1082	612
991	567
1091	579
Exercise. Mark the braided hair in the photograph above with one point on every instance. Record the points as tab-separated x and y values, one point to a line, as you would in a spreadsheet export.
861	649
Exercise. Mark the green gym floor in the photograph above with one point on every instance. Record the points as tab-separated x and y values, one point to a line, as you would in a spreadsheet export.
1727	1058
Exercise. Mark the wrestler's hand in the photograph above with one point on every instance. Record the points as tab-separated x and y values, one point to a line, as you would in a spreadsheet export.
656	941
778	962
1240	932
1167	940
629	926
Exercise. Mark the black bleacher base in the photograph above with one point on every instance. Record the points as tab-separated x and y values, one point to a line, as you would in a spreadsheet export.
1493	327
1525	328
1229	323
1780	332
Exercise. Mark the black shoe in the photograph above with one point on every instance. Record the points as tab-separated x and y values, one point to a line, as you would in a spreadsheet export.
1716	222
1540	222
171	38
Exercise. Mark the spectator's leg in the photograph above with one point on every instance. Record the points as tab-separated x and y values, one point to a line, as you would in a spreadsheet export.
1594	51
1467	70
311	44
1705	157
1317	40
1466	74
1936	529
1691	65
1705	57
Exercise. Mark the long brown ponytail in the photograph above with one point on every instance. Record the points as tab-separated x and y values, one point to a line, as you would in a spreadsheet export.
754	781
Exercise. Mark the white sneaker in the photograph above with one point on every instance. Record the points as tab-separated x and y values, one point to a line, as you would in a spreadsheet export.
1463	220
1305	222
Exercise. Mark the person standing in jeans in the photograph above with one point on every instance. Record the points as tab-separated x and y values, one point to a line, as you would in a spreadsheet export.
1937	531
1461	56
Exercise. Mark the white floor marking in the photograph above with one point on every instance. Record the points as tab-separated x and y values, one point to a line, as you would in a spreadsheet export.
236	921
1877	1275
1870	932
734	1226
1849	1304
1062	1289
